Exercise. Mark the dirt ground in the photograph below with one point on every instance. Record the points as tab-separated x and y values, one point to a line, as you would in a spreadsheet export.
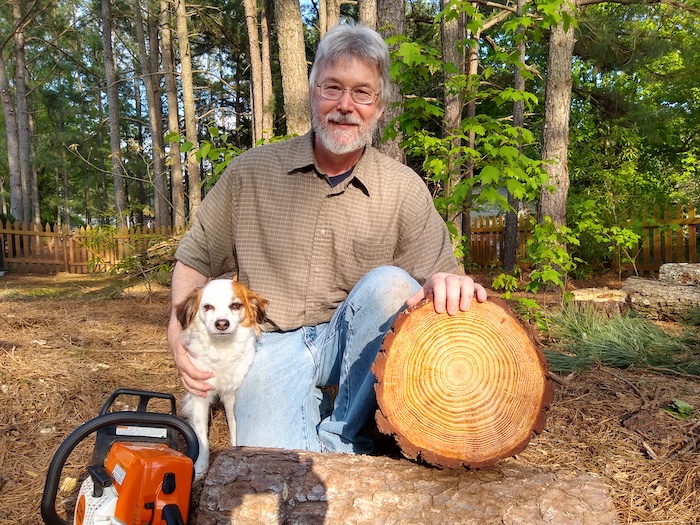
67	342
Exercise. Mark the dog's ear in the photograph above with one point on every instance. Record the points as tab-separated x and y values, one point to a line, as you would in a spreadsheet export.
186	311
258	305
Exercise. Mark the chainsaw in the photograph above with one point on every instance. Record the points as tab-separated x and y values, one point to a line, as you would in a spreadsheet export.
137	474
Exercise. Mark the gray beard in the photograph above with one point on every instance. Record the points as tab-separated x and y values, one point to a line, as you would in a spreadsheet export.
329	138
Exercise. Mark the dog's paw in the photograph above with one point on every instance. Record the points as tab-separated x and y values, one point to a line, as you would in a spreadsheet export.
200	470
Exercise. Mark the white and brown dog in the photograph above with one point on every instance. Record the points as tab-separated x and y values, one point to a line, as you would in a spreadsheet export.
221	322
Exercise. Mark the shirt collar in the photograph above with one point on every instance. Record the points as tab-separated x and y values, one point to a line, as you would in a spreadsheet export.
364	174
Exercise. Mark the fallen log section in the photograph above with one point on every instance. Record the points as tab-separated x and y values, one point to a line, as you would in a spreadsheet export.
661	300
461	390
247	486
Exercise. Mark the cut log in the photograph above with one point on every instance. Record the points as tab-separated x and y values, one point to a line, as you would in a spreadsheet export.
250	486
661	300
461	390
604	300
680	273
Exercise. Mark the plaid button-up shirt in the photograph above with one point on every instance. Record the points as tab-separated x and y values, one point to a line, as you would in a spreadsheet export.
275	220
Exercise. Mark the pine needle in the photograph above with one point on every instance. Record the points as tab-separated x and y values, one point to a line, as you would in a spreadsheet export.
583	337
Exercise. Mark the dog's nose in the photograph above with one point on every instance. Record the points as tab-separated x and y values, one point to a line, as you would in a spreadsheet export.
221	324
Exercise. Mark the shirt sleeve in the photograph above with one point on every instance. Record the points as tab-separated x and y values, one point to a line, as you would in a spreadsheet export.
424	245
208	246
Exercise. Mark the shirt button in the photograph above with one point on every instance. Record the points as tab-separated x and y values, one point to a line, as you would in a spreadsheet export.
323	232
317	270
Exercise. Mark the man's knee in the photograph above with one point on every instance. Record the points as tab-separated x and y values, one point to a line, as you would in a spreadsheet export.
386	287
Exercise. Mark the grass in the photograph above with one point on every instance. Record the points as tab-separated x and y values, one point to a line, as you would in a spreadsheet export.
582	337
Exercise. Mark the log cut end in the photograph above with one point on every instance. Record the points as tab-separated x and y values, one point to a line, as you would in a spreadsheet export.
464	390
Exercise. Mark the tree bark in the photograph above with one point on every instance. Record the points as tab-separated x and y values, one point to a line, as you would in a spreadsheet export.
391	15
268	94
367	13
30	188
176	178
247	486
461	390
557	109
113	103
10	112
510	235
256	88
661	300
155	120
193	175
453	34
295	78
680	273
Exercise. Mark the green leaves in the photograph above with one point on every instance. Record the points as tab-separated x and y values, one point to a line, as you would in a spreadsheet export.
680	409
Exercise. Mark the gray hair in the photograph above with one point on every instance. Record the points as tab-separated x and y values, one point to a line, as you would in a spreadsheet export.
356	40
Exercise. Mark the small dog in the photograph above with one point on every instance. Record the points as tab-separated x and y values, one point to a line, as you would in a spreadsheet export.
221	322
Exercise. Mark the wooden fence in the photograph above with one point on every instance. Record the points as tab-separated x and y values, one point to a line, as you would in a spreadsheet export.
50	249
672	237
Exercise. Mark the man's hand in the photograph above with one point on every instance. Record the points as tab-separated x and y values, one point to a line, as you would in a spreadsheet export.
450	292
193	379
185	279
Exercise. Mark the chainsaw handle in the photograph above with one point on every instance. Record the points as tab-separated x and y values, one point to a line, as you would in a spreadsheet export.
48	500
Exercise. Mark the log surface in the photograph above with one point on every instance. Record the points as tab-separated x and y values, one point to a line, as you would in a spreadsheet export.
461	390
680	273
251	486
661	300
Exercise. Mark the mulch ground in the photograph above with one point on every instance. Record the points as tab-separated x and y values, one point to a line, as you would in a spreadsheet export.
67	342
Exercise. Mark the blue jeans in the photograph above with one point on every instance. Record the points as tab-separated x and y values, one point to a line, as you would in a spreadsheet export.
280	404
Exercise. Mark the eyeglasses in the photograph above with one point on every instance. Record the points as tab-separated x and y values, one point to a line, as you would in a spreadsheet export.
361	95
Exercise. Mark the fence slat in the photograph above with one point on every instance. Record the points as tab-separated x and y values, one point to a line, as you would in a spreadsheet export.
54	248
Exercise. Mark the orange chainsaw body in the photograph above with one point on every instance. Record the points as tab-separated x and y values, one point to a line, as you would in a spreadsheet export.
146	478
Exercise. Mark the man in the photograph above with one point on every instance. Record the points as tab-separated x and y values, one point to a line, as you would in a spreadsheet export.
339	238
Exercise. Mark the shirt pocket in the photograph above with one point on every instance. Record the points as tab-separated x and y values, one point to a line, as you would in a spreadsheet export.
360	259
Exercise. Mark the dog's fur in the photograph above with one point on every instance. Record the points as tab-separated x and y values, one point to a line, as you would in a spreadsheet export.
221	322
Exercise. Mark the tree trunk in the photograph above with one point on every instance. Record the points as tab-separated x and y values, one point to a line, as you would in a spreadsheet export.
367	13
453	57
295	78
16	195
193	175
557	109
511	237
392	21
332	13
155	120
247	486
30	188
268	93
113	103
461	390
176	179
256	89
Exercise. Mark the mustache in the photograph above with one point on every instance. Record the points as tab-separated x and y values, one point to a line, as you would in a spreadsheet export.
339	118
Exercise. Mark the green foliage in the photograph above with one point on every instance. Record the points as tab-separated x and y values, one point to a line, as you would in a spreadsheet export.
547	251
507	283
583	337
620	241
98	240
465	175
680	409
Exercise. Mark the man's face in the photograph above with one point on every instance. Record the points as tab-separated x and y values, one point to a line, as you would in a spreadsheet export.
343	126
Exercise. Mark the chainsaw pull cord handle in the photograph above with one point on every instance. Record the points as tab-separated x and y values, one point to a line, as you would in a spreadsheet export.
48	500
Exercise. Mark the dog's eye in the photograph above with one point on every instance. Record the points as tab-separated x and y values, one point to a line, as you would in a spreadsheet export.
208	307
236	306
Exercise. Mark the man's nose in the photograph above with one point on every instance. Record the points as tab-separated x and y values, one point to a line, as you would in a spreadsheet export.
345	102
